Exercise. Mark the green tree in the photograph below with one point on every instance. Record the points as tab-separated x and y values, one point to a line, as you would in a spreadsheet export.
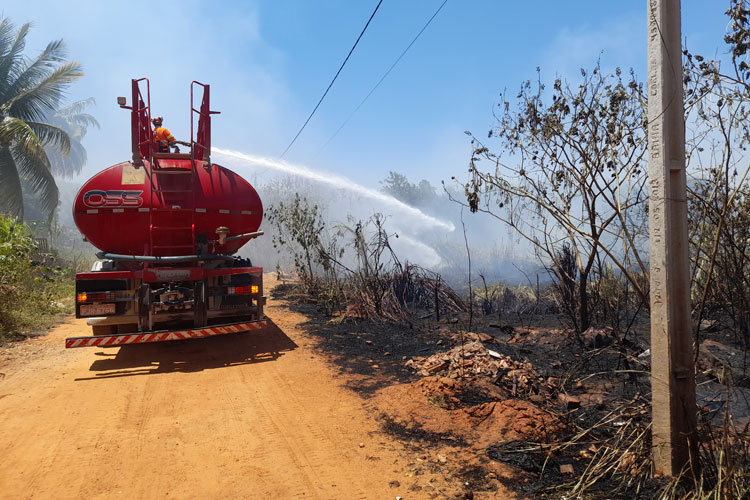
30	90
398	186
298	227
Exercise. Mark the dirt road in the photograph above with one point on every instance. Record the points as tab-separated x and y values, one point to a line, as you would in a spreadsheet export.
257	415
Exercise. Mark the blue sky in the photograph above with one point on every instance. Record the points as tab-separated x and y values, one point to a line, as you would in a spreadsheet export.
269	61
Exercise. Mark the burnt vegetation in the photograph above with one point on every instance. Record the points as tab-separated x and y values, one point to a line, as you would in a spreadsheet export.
566	169
352	270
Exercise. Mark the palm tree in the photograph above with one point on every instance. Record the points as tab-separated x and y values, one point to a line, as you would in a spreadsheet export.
74	121
30	89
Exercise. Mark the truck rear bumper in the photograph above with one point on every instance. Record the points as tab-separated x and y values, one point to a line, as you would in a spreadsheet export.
162	335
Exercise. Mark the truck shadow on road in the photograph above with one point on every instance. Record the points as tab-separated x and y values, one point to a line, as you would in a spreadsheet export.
192	355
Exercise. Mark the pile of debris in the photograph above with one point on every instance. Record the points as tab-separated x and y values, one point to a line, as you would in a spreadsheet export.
471	360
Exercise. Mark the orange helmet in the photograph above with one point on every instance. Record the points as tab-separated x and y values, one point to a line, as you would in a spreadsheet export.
157	121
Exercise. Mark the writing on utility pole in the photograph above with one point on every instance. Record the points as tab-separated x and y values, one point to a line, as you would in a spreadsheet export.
672	367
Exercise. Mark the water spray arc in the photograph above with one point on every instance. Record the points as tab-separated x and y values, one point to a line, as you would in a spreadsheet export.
337	182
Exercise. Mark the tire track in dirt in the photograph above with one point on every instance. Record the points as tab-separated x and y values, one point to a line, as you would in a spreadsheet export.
298	484
245	416
311	440
144	414
44	465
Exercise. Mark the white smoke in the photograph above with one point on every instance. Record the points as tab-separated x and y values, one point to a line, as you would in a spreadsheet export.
414	250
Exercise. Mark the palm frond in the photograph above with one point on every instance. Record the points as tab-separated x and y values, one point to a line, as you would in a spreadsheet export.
6	35
35	171
75	122
10	128
32	123
22	139
43	98
70	164
11	194
82	120
30	74
76	108
18	133
11	60
51	135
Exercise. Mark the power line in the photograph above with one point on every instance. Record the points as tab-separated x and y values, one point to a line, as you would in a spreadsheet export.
385	74
334	79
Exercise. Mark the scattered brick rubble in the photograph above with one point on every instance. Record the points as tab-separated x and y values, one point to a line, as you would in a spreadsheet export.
470	359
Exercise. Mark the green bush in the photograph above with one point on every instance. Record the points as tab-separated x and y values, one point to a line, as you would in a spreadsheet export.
299	225
32	295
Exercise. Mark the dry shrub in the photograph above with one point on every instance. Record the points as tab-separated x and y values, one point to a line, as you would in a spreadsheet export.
382	287
355	267
614	454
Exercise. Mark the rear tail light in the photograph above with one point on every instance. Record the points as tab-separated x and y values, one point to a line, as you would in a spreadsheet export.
95	297
243	290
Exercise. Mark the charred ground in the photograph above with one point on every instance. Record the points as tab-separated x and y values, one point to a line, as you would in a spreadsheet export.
522	403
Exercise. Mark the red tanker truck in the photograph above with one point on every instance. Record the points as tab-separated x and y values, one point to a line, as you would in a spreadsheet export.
168	226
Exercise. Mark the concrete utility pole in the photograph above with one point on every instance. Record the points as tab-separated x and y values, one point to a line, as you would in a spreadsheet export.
672	368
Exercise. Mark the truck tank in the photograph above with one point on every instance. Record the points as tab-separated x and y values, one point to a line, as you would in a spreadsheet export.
165	208
168	224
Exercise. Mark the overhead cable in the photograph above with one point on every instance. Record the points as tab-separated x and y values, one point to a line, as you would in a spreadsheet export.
385	74
334	78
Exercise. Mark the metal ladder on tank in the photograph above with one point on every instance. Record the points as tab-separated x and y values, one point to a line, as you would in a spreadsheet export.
167	216
161	219
200	142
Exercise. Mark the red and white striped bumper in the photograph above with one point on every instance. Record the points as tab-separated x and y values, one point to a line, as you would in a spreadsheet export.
161	336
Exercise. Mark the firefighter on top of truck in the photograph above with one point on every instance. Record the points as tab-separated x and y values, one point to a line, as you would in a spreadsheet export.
163	138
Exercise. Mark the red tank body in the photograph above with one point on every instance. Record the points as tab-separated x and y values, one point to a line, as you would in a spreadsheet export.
168	224
162	211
